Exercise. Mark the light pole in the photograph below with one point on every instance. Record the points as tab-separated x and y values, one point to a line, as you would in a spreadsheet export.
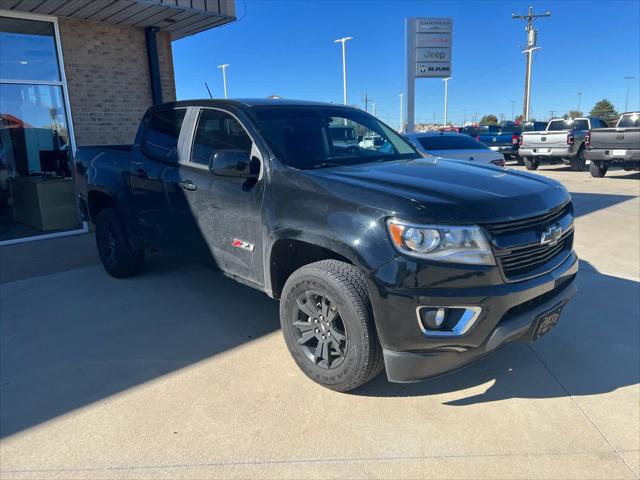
579	95
401	112
343	41
373	109
446	98
224	77
512	103
464	116
626	100
532	37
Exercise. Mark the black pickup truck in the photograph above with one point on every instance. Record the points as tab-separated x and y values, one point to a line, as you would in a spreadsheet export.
380	257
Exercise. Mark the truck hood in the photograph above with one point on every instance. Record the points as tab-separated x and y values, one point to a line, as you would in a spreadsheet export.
450	190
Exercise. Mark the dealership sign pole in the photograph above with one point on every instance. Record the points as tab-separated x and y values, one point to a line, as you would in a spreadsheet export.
428	55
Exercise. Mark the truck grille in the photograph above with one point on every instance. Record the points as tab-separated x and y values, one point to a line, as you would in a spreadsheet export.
529	223
523	261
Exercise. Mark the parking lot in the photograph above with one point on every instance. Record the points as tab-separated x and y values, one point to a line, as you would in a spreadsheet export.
183	373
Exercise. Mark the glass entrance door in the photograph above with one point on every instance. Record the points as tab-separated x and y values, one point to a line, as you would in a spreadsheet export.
37	192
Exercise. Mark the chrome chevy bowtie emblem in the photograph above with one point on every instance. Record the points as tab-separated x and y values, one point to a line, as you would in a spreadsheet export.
551	235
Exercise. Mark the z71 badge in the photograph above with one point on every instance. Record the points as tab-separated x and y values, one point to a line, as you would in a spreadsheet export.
242	244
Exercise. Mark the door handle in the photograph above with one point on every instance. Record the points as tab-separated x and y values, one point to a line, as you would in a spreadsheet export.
188	185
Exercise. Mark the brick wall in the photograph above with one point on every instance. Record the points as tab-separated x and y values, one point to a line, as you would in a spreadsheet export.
108	79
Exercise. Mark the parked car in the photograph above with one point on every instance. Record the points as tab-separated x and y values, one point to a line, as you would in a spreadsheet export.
614	146
562	140
503	139
456	146
380	258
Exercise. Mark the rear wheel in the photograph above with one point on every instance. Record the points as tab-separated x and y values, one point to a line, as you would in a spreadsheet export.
116	254
598	169
531	163
578	163
328	325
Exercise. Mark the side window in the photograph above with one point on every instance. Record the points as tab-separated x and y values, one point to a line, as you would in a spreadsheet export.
163	130
217	130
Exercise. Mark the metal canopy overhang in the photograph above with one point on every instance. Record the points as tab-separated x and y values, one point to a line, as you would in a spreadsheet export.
179	17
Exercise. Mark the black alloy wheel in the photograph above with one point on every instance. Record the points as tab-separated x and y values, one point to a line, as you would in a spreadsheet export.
321	332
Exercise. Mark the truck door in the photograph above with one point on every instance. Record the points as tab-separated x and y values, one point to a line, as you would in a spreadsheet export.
221	216
150	213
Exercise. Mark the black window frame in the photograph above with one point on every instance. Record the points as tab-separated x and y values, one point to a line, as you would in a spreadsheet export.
143	143
192	140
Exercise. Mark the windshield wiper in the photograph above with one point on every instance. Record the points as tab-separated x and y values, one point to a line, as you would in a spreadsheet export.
326	165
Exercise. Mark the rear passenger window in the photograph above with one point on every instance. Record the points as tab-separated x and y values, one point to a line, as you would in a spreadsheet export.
218	130
163	130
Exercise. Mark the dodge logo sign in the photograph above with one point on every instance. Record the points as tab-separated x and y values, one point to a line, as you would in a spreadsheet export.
544	139
551	235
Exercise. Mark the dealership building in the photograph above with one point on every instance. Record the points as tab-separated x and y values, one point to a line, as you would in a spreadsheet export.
74	73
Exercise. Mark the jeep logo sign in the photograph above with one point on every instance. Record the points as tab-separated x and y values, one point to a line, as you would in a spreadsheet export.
433	55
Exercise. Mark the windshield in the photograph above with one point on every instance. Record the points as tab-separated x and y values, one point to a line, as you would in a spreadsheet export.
632	120
307	137
450	142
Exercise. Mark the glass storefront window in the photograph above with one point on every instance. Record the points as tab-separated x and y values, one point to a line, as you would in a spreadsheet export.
27	50
37	191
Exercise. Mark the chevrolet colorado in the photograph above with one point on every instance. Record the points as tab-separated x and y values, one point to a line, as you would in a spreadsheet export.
562	139
379	257
619	145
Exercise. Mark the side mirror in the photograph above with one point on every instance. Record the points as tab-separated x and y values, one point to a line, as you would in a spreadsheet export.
231	163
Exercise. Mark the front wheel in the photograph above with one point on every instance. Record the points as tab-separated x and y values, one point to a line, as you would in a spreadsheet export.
116	254
531	163
598	169
328	325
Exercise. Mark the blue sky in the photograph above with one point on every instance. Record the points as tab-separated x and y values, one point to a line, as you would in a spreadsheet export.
286	48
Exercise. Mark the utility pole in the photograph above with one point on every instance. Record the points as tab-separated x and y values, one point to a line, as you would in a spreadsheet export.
344	66
446	98
532	37
502	118
373	109
224	77
552	114
401	112
512	103
579	95
366	100
464	116
626	100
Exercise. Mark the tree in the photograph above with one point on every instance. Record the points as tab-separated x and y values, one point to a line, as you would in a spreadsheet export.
572	114
605	110
489	120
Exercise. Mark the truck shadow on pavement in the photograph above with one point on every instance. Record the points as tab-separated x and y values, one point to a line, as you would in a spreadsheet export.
586	203
593	350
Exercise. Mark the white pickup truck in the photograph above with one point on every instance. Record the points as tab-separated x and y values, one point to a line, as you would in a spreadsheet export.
562	140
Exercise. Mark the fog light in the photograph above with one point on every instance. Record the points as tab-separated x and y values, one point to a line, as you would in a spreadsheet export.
447	321
433	319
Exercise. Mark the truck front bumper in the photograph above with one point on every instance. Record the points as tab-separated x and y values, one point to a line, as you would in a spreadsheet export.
507	312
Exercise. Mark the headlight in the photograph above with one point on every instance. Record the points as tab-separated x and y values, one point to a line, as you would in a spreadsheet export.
444	244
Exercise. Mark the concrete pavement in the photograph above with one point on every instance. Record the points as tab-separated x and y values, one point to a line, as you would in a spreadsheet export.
182	373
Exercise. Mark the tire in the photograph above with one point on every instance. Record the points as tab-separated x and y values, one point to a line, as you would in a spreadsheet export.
328	325
578	163
116	254
598	169
531	163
